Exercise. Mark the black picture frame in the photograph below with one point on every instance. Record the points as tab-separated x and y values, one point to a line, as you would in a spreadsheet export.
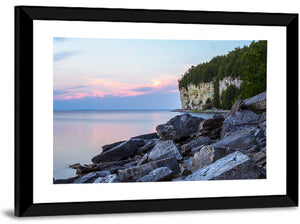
24	18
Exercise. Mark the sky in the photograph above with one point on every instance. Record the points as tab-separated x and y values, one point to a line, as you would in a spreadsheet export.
126	74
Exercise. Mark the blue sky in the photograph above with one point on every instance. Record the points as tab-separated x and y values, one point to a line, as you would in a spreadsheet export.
117	74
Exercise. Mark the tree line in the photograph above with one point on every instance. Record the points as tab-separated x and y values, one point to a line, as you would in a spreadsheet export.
249	63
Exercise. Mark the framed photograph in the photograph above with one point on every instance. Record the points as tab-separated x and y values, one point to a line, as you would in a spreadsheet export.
122	110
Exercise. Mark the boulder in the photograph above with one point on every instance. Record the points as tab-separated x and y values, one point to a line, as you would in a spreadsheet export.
207	155
178	128
110	146
211	127
164	149
240	140
146	148
134	173
91	177
239	120
186	148
159	174
256	103
122	151
111	178
234	166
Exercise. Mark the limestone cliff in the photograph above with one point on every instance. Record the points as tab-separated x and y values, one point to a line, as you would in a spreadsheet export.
194	96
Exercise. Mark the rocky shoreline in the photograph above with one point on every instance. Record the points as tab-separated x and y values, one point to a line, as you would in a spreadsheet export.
187	148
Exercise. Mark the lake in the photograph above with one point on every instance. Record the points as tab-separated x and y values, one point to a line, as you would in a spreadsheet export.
79	135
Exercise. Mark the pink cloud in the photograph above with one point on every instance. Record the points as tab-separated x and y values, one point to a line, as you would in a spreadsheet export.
77	96
103	87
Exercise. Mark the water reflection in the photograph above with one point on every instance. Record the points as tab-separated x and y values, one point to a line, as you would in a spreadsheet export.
79	135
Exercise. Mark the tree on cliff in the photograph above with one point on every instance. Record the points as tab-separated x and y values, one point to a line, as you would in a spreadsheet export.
254	70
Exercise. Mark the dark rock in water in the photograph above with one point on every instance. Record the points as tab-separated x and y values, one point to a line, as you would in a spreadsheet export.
207	155
110	146
256	103
240	140
91	177
122	151
74	166
159	174
179	127
111	178
239	120
231	167
186	148
65	181
211	127
134	173
146	136
164	149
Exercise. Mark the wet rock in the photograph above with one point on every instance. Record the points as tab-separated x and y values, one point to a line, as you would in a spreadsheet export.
240	140
74	166
159	174
122	151
231	167
134	173
207	155
256	103
164	149
186	148
178	128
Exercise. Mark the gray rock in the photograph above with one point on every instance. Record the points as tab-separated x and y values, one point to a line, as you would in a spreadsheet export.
110	146
240	140
122	151
134	173
234	166
239	120
207	155
164	149
195	143
211	127
91	177
111	178
159	174
179	127
144	159
256	103
146	148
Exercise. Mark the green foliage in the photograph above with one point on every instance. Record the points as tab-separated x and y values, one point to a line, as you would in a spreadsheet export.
229	96
255	70
208	101
247	63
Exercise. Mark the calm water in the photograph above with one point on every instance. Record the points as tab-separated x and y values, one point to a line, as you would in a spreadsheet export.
79	135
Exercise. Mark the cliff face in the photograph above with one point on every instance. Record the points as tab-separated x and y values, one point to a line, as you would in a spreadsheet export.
195	96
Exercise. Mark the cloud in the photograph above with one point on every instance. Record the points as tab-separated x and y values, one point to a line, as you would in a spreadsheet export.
65	54
103	88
